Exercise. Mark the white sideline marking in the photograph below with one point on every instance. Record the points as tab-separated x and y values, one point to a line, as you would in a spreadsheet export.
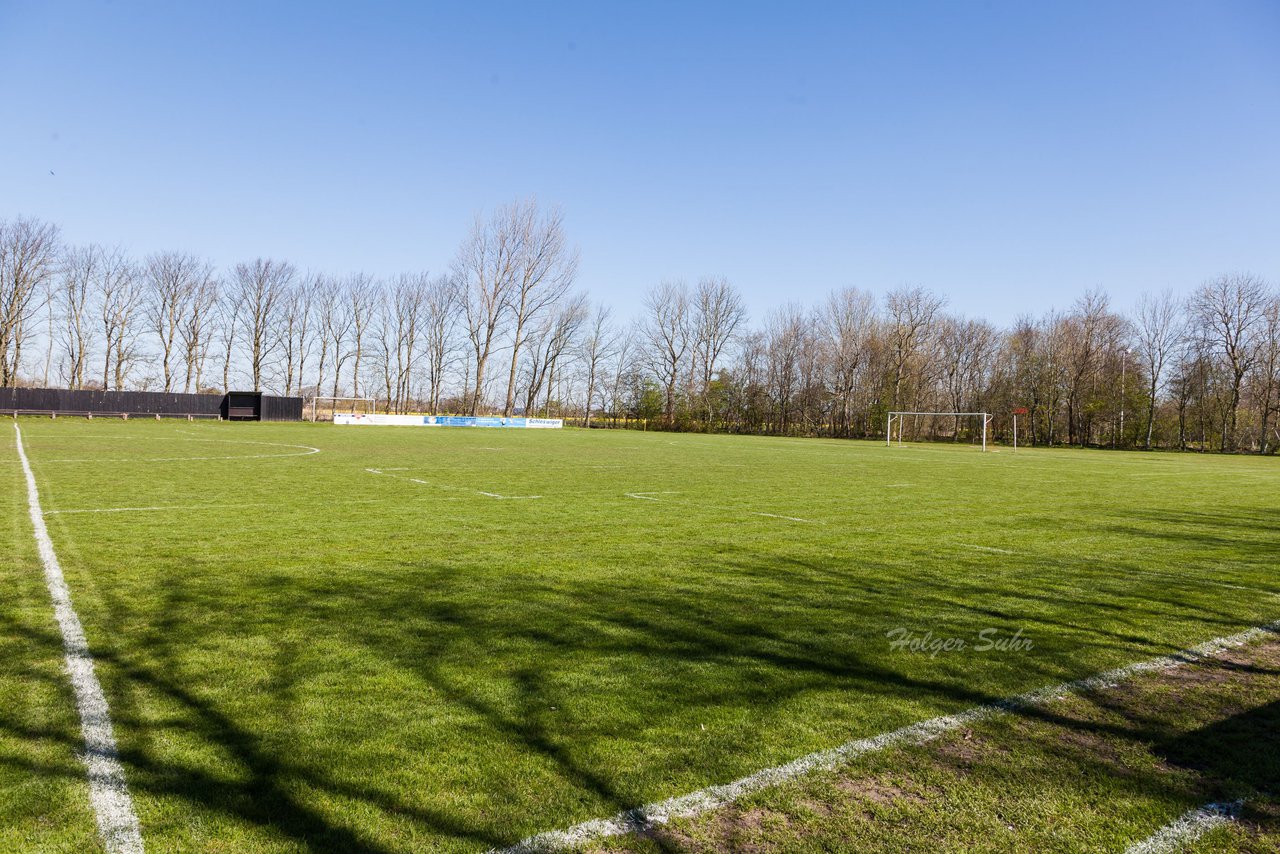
648	496
986	548
1189	827
108	791
643	818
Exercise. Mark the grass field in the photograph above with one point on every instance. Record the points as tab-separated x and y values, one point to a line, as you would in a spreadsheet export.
397	639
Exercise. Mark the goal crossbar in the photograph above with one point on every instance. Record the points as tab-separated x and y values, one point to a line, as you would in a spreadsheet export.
900	415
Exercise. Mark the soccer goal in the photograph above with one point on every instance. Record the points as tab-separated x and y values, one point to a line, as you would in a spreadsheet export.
334	403
898	417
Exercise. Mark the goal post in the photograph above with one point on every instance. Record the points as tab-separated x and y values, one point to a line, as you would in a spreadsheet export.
334	400
898	417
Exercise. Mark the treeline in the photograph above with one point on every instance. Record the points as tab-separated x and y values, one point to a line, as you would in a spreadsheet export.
503	330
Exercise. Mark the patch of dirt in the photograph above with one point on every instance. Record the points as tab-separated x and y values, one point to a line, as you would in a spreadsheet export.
877	791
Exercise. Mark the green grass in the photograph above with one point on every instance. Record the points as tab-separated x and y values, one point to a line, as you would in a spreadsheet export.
1091	772
302	655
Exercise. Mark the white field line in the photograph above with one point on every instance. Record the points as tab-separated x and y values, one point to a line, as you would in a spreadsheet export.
384	473
788	518
985	548
1192	582
1189	827
155	509
108	791
181	508
650	496
304	450
643	818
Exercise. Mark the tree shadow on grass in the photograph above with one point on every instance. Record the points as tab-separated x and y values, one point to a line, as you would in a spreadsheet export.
1240	754
509	661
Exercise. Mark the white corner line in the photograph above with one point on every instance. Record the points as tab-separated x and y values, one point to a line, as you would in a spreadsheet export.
108	792
646	817
1186	829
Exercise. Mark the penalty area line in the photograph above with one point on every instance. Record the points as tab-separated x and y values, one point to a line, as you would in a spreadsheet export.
644	818
108	791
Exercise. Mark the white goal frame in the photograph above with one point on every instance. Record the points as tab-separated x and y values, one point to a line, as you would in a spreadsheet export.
336	400
899	416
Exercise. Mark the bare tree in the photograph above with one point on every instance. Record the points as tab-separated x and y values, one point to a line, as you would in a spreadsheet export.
850	323
597	348
1085	333
487	272
29	255
555	341
121	296
195	333
297	327
1158	332
406	300
1267	384
73	302
230	316
1228	312
666	332
545	267
718	311
177	280
385	333
440	307
328	304
966	347
261	286
362	295
910	323
786	330
335	325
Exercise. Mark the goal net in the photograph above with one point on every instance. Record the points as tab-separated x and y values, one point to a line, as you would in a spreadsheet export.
324	406
980	422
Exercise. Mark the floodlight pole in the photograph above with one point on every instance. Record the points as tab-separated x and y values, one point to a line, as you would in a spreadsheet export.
1015	432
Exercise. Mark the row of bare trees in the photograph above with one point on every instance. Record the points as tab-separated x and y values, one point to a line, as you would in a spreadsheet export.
1201	372
503	330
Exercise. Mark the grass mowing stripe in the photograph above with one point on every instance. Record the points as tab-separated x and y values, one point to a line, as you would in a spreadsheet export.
108	790
695	803
1187	829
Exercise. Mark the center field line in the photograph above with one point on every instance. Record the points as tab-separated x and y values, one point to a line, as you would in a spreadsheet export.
108	791
1189	827
644	818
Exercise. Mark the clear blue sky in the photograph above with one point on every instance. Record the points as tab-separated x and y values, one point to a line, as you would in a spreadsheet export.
1008	155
